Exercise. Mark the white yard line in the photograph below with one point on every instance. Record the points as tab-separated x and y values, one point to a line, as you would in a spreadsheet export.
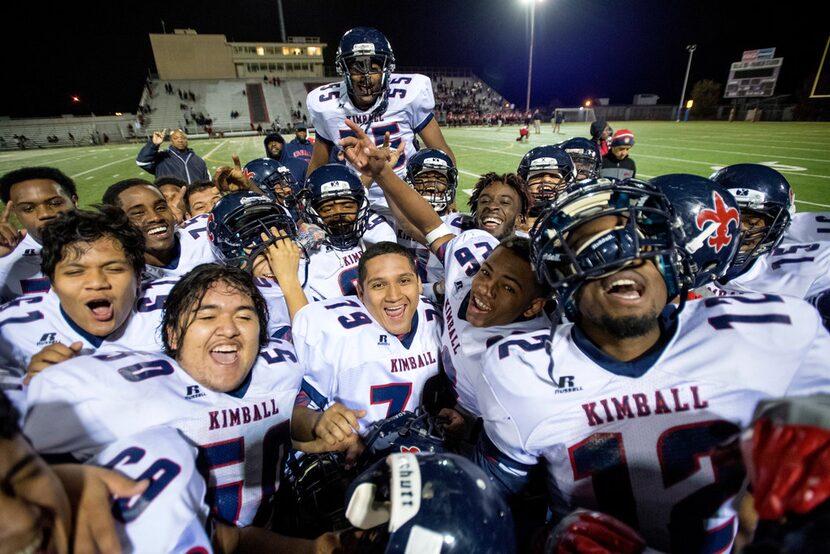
215	148
102	166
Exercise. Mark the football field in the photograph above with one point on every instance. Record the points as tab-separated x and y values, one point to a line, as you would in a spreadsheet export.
801	151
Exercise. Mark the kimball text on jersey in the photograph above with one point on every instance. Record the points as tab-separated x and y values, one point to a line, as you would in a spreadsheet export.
643	405
221	419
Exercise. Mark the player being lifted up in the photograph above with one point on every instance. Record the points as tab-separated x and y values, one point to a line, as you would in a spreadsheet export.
35	195
377	99
491	288
623	405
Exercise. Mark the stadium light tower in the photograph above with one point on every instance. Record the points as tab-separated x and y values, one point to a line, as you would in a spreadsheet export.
691	49
530	54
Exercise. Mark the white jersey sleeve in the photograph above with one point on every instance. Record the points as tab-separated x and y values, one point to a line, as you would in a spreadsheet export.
20	271
378	230
419	109
807	227
462	256
171	515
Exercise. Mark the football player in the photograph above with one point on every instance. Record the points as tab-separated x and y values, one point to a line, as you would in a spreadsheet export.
334	200
170	252
69	507
624	405
808	227
585	156
547	171
365	357
491	290
200	197
93	261
35	195
377	99
253	233
763	264
220	382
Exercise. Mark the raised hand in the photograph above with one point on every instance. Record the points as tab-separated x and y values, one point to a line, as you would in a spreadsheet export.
51	355
158	136
361	151
10	237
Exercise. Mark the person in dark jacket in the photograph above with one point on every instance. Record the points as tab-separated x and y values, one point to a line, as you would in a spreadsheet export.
277	149
301	146
177	161
617	164
600	131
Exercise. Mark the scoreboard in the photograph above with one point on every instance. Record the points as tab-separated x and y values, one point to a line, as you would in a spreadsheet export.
755	75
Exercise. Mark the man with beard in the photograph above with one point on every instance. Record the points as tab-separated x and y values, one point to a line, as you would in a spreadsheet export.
177	161
623	407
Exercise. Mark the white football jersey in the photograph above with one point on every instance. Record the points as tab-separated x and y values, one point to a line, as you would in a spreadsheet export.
635	439
279	322
20	271
171	515
349	358
807	227
86	403
430	268
800	270
378	230
409	109
463	345
194	249
33	321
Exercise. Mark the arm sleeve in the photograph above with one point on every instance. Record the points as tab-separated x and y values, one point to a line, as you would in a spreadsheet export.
318	372
423	103
813	374
146	158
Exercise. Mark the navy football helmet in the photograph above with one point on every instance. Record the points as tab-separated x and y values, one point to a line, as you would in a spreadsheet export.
585	155
329	183
429	503
711	222
412	432
238	220
273	179
548	159
359	49
648	230
317	486
761	192
429	160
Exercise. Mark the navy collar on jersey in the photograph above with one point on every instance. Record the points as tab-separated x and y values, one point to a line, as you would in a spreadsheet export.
239	392
94	340
174	263
639	366
407	338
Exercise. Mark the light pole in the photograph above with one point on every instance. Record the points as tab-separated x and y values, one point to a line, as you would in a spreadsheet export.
530	53
691	49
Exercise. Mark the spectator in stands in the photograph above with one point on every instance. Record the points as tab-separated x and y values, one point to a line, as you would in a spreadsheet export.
259	128
616	163
600	131
301	146
173	190
276	149
177	161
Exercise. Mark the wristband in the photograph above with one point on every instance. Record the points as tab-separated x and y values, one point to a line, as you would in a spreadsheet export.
440	231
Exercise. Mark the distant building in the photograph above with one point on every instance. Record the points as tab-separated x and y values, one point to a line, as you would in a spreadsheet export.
646	99
185	54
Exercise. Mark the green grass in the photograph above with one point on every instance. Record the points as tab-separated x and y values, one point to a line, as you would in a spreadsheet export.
800	150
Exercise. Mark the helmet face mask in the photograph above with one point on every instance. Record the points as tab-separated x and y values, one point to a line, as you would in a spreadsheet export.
433	175
335	200
365	60
627	222
585	156
237	223
554	162
766	202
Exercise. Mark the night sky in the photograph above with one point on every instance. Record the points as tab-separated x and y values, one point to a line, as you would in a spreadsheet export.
583	48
